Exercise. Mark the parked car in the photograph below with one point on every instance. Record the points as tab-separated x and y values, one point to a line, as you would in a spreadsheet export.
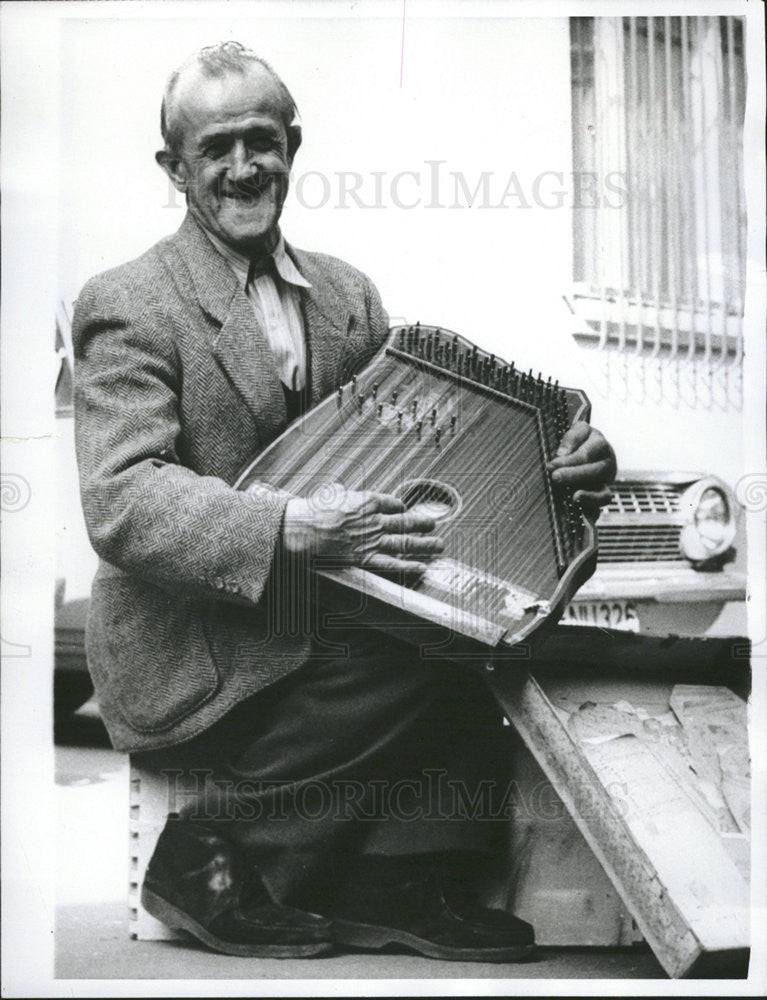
75	560
671	559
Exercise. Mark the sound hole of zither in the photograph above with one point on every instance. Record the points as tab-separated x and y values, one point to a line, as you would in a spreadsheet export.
435	499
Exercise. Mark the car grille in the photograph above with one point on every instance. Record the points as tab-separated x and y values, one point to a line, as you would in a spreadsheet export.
644	498
641	524
640	543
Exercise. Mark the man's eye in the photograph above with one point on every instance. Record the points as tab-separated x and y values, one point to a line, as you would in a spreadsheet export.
214	150
262	144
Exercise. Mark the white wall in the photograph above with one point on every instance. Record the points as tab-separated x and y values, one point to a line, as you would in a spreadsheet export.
651	428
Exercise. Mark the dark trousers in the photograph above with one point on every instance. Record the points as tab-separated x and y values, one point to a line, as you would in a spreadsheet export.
375	752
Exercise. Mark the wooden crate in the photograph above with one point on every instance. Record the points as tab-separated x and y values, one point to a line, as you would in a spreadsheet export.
684	882
152	797
607	868
554	881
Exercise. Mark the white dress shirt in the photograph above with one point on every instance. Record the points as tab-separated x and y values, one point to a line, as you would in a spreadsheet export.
277	307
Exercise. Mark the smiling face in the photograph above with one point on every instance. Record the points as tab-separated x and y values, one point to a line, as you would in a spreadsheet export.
232	156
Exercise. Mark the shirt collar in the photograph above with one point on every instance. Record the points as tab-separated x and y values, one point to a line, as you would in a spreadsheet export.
286	269
240	264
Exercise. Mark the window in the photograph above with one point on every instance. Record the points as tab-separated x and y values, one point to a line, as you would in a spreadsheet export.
659	264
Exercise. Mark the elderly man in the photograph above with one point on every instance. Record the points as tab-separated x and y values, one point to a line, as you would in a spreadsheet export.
189	361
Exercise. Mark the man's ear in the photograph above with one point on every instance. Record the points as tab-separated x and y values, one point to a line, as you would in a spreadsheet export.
294	141
173	166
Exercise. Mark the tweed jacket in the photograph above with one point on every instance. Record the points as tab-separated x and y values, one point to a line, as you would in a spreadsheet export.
176	391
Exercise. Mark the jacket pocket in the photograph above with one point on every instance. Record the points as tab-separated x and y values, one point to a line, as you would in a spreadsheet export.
148	654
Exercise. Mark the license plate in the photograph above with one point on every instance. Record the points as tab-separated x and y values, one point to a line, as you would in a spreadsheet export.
609	614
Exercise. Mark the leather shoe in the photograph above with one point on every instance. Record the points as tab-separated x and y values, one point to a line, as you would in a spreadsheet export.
414	912
197	882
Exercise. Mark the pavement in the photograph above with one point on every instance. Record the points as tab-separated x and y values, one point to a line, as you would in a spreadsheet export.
92	939
92	943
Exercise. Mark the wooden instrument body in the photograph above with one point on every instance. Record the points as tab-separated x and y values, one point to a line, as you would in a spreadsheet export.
444	426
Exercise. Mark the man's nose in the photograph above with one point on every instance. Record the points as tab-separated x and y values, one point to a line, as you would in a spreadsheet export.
242	163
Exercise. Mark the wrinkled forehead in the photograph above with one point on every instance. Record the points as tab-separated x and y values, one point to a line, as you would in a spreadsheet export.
200	100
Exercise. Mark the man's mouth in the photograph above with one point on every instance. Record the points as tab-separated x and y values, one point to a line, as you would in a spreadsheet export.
247	192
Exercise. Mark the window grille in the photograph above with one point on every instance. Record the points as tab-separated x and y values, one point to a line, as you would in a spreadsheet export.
659	255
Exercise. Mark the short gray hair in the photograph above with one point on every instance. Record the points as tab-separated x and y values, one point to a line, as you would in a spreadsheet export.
216	61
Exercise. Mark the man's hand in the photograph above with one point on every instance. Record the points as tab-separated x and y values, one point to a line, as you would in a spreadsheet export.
360	528
586	461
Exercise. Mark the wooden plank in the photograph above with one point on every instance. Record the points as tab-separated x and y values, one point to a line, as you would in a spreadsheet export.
686	852
691	905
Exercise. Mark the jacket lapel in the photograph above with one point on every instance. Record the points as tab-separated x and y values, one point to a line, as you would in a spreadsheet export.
327	322
242	351
240	346
238	343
